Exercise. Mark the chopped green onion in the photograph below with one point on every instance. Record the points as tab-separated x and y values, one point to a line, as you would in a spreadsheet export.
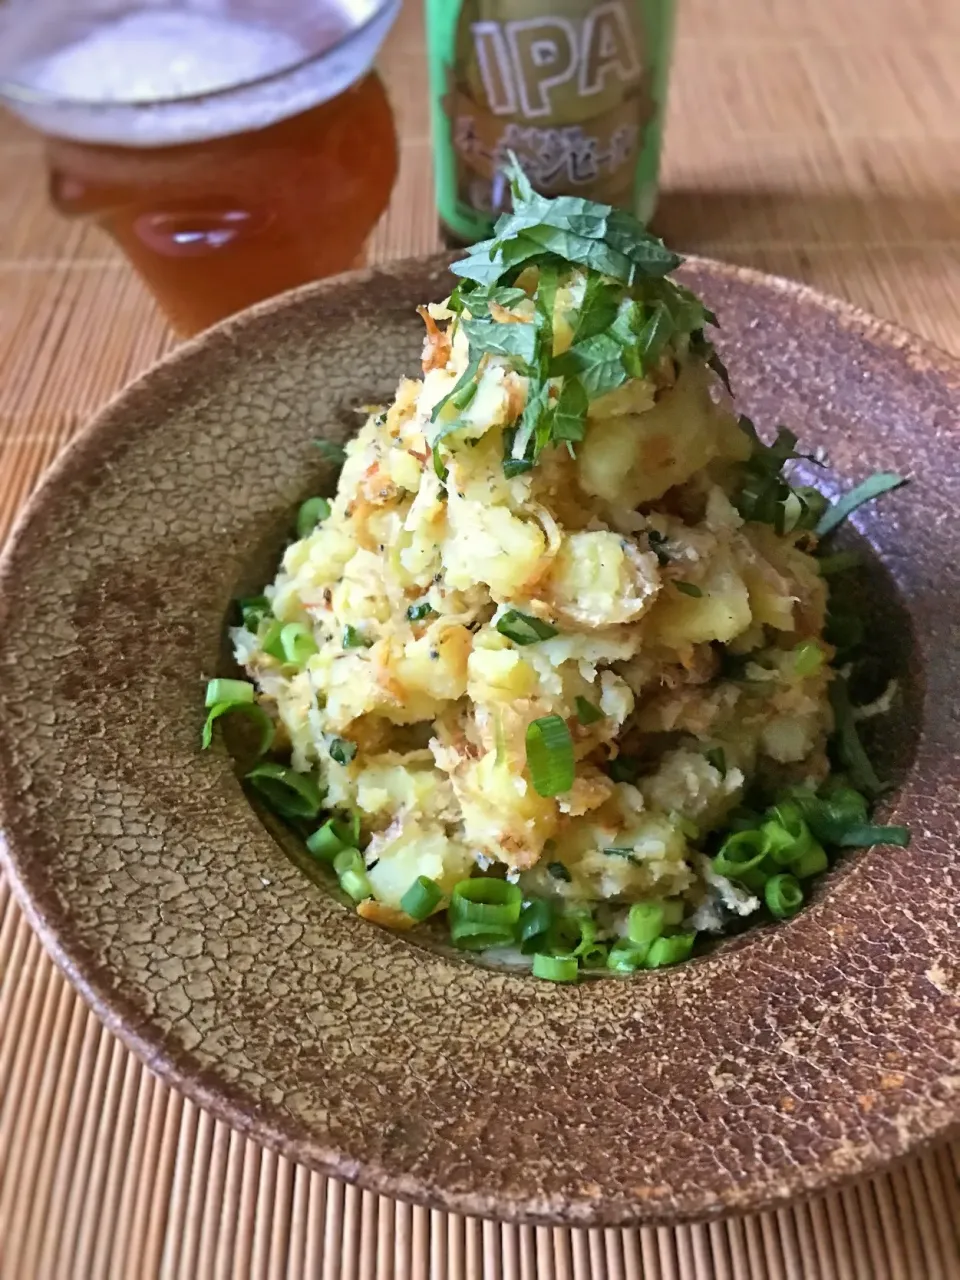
783	895
550	756
844	802
484	912
352	874
587	713
743	856
863	835
292	794
253	610
559	872
422	898
672	950
866	491
849	747
472	935
674	910
355	639
787	835
717	757
523	628
645	923
297	643
271	642
839	562
574	933
689	589
250	709
487	900
342	750
331	452
594	956
536	917
233	691
422	609
808	658
310	514
812	863
626	957
555	968
327	841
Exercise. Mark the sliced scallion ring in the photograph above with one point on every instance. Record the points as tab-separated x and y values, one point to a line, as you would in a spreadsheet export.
297	643
671	950
326	842
233	691
422	898
626	956
556	968
292	794
252	711
645	923
783	895
352	874
310	514
550	756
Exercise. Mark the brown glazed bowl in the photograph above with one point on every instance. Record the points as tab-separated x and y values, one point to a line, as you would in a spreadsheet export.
794	1056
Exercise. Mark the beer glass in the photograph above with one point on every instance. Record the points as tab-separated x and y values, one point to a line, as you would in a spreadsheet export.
231	148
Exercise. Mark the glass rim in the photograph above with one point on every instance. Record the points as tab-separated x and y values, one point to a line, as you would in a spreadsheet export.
24	95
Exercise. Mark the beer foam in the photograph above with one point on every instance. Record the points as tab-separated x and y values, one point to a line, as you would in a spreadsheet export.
140	80
151	54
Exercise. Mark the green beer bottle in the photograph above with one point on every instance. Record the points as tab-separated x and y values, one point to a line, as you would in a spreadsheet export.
576	88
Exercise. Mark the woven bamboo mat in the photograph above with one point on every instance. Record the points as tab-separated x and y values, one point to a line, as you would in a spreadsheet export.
818	139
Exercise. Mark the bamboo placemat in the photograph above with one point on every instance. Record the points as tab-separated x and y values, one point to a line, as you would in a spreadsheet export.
818	139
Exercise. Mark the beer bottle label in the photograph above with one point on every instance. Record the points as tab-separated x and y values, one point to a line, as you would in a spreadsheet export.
575	88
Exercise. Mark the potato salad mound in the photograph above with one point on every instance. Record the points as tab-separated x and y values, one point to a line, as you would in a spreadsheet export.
553	659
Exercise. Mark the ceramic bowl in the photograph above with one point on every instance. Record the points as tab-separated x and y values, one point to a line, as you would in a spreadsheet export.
792	1057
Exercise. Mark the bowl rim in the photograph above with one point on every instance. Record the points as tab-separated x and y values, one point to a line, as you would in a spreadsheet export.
221	1099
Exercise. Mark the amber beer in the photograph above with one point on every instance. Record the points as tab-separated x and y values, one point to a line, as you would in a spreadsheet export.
231	149
575	88
215	226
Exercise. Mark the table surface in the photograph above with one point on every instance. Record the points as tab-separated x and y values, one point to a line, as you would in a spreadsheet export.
818	139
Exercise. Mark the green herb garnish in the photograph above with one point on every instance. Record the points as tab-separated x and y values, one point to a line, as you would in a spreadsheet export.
587	713
524	628
342	750
353	638
866	491
628	314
